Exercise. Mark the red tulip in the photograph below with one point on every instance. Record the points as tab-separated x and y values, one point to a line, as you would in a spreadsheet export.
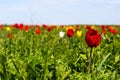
16	25
9	36
109	29
92	38
26	28
70	32
49	29
103	27
103	31
88	27
107	26
113	31
21	26
37	31
44	25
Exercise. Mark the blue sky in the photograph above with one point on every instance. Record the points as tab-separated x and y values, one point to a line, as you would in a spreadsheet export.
60	11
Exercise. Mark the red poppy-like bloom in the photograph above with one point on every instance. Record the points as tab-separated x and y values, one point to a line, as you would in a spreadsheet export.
44	25
9	36
49	29
16	25
92	38
103	31
107	26
109	29
70	32
21	26
26	28
37	31
88	27
103	27
113	31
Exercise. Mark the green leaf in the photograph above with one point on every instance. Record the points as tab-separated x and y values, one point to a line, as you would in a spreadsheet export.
103	61
116	59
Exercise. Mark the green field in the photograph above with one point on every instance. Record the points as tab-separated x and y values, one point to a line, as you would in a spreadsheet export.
33	52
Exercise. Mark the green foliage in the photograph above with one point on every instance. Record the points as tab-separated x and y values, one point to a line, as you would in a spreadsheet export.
28	56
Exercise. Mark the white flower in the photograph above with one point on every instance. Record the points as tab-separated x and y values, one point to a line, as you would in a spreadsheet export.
61	34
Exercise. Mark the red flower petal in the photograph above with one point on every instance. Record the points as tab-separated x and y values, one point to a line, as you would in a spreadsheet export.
92	38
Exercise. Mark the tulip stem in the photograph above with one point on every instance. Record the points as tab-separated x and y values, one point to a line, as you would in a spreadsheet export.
89	65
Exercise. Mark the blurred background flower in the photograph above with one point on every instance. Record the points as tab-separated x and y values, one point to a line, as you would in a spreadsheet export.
8	28
61	34
79	33
70	32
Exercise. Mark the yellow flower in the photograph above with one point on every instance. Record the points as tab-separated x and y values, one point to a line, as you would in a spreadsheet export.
79	33
66	28
8	28
84	26
93	27
57	27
